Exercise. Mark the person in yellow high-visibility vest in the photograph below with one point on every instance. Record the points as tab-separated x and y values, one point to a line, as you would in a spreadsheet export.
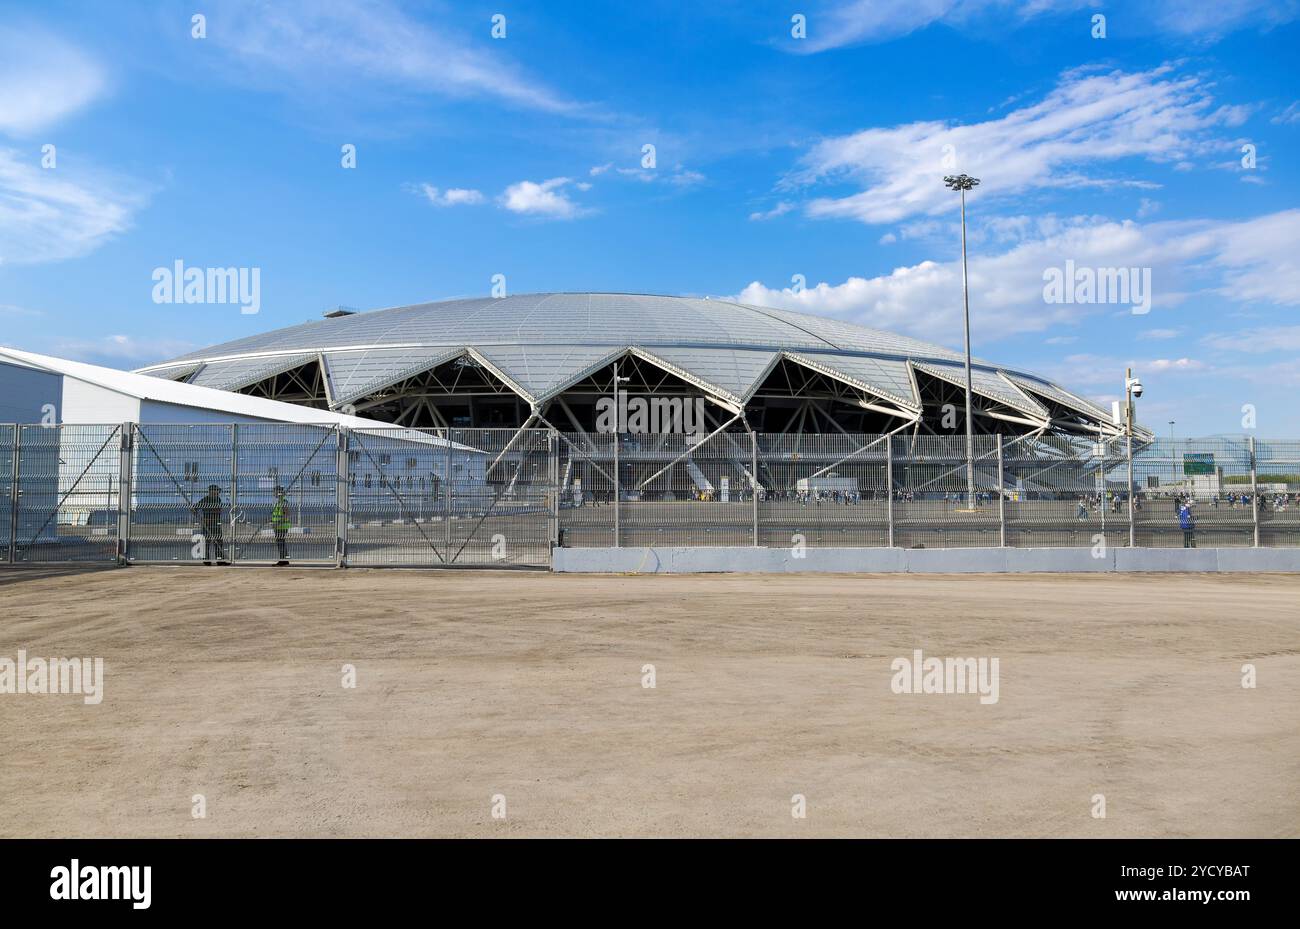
280	526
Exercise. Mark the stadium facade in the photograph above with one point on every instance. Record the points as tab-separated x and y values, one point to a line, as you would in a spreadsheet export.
551	360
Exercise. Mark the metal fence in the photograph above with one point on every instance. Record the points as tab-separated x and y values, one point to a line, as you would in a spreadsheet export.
266	493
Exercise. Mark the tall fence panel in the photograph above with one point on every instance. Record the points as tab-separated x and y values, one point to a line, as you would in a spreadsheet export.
182	508
399	496
8	458
1277	477
822	491
934	505
502	501
685	490
450	497
586	491
1065	492
1213	475
284	498
67	494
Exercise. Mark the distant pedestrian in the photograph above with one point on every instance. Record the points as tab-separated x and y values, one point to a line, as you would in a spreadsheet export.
208	510
280	526
1187	522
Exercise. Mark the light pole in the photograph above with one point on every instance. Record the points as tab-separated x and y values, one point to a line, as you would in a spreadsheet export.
1132	390
963	183
618	435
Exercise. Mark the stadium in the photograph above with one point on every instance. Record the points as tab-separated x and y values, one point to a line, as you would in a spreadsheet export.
548	359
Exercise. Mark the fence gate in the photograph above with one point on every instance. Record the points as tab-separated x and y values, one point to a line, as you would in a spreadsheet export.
208	493
449	497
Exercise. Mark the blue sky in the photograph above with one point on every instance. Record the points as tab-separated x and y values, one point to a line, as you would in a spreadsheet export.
775	156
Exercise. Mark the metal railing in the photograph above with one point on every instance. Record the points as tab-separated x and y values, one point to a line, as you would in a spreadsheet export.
322	495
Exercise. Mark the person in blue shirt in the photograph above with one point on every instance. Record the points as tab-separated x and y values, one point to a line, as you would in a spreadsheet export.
1188	523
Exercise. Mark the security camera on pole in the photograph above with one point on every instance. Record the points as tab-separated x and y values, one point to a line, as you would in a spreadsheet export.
963	183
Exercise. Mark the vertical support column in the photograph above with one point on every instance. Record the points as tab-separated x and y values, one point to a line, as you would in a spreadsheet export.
447	497
125	491
553	484
231	546
1132	529
889	487
1002	500
753	484
14	494
1254	490
618	529
342	495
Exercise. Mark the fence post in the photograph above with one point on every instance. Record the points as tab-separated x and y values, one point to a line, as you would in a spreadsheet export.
618	533
1132	530
342	495
447	497
1254	490
1002	500
14	494
753	484
553	481
233	543
125	491
889	488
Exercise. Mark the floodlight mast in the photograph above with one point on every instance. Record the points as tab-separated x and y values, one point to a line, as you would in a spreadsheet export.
963	183
1132	389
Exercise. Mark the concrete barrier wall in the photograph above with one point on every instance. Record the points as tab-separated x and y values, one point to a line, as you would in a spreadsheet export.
919	560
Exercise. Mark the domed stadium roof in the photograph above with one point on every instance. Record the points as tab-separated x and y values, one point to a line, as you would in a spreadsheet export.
541	344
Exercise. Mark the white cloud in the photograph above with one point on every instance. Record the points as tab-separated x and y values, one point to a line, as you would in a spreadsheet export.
43	79
1174	364
45	217
840	23
1290	115
1159	334
120	351
1247	261
452	196
322	44
545	199
1088	119
678	176
600	169
780	209
10	309
1258	340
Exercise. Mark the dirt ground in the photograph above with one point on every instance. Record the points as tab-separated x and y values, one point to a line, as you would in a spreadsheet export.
470	684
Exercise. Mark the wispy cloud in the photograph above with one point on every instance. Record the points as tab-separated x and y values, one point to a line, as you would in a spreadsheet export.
785	206
45	217
337	44
838	23
452	196
43	79
120	351
1087	120
1257	340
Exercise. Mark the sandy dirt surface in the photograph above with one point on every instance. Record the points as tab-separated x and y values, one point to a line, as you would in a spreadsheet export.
470	684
